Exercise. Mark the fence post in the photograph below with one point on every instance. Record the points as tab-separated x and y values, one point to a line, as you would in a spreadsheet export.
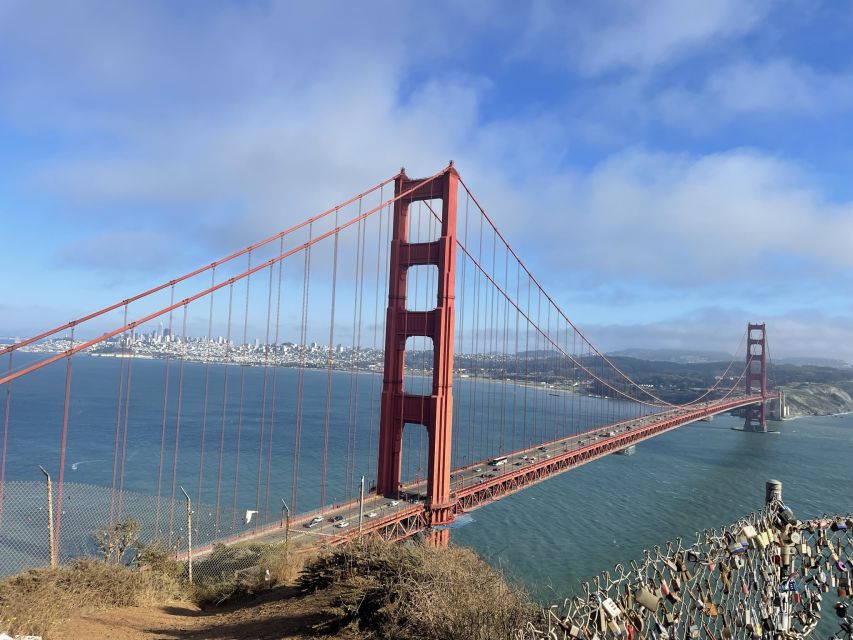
50	534
360	504
286	509
772	491
189	536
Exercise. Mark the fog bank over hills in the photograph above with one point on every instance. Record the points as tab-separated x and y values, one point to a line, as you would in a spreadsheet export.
688	356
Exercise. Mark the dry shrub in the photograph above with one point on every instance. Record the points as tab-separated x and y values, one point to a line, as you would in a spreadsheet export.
237	571
35	601
415	591
159	558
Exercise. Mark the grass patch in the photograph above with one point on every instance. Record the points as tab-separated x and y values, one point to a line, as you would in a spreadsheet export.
36	601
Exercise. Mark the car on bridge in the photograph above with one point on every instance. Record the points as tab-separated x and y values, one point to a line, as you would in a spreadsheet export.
313	522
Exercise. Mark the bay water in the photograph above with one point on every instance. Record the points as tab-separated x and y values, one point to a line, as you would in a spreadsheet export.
547	537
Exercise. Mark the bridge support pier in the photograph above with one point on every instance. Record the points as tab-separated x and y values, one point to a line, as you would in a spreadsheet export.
399	408
756	375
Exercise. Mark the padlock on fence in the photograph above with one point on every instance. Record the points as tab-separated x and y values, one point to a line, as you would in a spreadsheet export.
844	585
647	598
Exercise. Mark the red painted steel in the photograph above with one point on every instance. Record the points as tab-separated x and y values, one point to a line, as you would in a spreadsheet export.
756	372
410	521
399	408
77	348
46	334
495	488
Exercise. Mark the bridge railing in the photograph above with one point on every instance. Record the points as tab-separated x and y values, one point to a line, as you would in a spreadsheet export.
767	575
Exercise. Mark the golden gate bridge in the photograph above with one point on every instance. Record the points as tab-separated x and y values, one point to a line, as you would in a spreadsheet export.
302	422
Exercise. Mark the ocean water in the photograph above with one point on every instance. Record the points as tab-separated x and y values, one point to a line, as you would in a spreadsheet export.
547	537
703	475
232	437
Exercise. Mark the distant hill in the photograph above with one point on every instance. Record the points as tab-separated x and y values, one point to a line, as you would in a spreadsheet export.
680	356
814	362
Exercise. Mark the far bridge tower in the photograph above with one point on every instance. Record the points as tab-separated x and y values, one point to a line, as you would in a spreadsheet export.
756	377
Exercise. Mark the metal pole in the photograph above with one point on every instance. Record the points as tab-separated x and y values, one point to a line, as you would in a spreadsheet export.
189	536
361	504
50	535
285	508
772	491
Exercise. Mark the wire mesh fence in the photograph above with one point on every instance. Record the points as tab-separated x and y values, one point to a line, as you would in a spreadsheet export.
94	521
767	575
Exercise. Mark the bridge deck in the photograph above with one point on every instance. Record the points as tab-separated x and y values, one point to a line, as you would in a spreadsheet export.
478	484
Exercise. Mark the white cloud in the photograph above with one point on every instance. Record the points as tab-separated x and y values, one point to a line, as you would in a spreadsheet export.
622	34
693	220
750	88
224	143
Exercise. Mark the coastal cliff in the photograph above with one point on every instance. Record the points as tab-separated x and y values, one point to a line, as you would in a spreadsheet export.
818	399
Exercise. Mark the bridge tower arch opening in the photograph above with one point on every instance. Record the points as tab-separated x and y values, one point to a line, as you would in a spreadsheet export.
756	377
434	410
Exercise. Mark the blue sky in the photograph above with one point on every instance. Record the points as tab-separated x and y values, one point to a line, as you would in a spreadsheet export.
695	156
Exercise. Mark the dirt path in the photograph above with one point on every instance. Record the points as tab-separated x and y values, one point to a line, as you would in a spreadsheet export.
278	614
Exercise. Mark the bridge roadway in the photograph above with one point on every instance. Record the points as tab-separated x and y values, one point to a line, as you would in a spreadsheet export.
478	484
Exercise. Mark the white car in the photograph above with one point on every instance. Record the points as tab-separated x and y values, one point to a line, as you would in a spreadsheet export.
478	470
372	514
313	522
393	503
343	524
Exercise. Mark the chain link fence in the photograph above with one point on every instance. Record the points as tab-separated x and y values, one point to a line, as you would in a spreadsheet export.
95	521
767	575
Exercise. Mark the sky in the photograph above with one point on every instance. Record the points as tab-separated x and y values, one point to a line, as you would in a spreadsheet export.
694	156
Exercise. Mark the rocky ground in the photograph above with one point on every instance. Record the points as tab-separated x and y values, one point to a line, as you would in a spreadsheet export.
818	399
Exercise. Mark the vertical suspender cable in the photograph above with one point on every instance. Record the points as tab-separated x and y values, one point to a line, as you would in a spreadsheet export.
329	367
262	431
119	402
517	359
6	413
244	348
461	296
63	446
223	418
373	374
206	388
354	442
126	427
505	357
165	415
353	385
274	377
178	413
300	383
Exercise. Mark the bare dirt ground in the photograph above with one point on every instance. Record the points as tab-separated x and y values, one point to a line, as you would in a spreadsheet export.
277	614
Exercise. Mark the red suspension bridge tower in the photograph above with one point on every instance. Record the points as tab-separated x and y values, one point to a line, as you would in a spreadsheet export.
398	408
756	373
